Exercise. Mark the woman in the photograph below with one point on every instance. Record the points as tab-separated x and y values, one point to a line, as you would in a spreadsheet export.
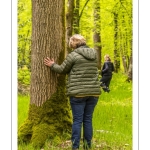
83	87
107	69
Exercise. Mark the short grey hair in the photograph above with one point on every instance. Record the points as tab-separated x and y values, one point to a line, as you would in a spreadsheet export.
76	41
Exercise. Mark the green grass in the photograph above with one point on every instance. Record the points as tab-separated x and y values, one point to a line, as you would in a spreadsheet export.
23	107
112	119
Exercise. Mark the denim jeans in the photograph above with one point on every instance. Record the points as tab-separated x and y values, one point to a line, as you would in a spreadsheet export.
82	111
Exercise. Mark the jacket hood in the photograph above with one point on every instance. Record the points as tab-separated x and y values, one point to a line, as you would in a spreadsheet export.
87	52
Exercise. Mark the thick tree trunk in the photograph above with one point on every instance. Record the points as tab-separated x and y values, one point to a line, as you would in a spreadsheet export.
49	111
47	39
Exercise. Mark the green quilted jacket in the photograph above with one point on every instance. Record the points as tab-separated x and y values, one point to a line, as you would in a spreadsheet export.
81	67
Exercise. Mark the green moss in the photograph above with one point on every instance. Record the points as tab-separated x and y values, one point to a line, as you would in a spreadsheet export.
42	132
47	121
25	131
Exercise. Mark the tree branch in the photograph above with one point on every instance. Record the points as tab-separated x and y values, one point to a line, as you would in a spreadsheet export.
83	9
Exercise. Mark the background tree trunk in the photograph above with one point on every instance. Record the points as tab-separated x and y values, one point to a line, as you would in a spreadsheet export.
129	78
49	111
96	36
116	53
69	22
76	17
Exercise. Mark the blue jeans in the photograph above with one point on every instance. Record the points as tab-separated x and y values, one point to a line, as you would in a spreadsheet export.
82	111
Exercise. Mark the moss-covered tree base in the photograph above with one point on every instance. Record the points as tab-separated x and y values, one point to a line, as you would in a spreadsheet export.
46	121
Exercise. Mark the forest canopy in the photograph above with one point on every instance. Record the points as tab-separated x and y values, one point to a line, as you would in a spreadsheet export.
112	23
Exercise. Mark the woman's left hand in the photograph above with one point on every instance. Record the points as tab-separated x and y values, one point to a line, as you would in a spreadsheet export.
48	62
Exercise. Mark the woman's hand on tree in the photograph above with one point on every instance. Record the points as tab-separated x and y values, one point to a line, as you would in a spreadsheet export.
48	62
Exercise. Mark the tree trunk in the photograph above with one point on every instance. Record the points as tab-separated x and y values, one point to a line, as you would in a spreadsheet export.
76	17
69	22
131	43
129	78
97	27
123	50
125	57
116	53
49	111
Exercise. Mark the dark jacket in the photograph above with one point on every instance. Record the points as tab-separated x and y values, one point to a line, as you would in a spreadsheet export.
107	68
82	70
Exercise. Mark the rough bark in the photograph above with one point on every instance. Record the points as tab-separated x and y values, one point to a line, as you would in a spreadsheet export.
49	112
47	38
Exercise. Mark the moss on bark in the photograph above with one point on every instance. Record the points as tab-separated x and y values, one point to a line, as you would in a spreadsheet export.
47	121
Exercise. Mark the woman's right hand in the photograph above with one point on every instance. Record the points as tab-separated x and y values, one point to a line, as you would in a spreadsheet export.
48	62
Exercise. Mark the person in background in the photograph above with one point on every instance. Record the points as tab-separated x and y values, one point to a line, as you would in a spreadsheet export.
107	69
83	87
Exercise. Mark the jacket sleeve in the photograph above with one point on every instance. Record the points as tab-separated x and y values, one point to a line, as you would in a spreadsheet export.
65	67
106	68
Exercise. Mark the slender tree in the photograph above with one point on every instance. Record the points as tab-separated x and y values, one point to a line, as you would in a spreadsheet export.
49	111
130	63
123	44
69	22
124	33
130	41
97	27
76	17
116	51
